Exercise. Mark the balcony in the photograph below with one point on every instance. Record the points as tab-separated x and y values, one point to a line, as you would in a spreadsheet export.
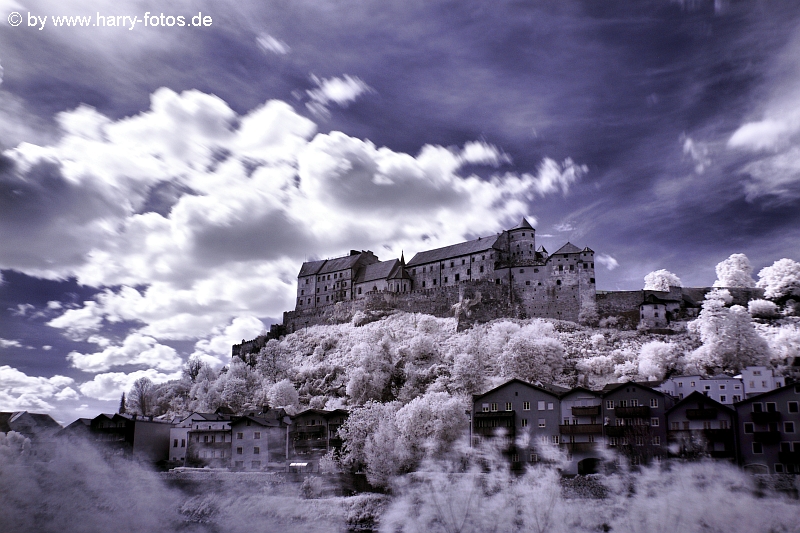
489	424
767	437
593	410
765	417
614	431
580	429
789	458
641	411
580	447
701	414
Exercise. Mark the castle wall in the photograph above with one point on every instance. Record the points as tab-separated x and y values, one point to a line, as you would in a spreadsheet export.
481	301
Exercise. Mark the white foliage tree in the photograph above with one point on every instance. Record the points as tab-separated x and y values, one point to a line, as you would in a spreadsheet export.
763	309
735	271
533	355
730	341
661	280
283	394
781	280
140	397
468	374
370	438
368	380
656	359
431	422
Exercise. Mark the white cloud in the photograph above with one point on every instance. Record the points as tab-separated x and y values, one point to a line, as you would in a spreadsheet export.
47	347
481	153
20	392
111	385
22	309
767	134
218	346
607	261
552	176
5	343
76	323
136	349
268	43
563	227
698	152
53	304
341	91
67	393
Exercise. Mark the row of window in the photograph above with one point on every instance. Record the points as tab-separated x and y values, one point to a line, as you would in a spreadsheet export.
212	454
256	450
707	424
772	407
253	464
788	427
526	406
629	403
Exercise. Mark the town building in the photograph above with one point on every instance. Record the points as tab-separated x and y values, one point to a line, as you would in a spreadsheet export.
524	417
722	388
314	432
699	426
759	379
581	433
41	429
634	420
260	441
208	440
768	431
142	438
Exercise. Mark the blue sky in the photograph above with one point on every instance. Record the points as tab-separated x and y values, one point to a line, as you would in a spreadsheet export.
160	186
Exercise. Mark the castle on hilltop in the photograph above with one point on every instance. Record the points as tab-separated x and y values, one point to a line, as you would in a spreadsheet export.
501	275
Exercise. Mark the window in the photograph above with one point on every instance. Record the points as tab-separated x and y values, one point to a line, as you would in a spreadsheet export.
458	277
542	422
205	438
452	264
508	406
485	408
609	404
772	407
445	279
554	439
723	424
758	407
778	468
213	439
674	426
524	422
540	406
691	383
549	406
723	398
613	441
748	427
756	372
526	406
183	443
634	403
256	435
654	422
793	407
494	407
788	427
757	448
657	440
514	457
722	387
239	450
175	444
534	457
736	398
257	450
639	441
239	436
623	403
238	464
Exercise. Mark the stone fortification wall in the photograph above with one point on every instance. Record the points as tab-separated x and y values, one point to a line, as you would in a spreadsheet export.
614	303
480	301
740	295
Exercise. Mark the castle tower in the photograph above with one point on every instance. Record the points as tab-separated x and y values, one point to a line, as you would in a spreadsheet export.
522	243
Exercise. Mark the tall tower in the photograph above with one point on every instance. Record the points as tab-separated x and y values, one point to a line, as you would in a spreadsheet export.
522	243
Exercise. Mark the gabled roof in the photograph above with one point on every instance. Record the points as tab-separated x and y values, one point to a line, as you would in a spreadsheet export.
310	268
272	422
376	271
340	263
549	389
568	248
524	224
653	299
587	249
698	396
455	250
649	385
583	389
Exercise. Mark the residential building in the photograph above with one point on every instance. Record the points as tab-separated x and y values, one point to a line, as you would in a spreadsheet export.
759	379
768	431
314	432
41	429
208	440
699	426
260	440
721	388
522	417
635	423
581	431
142	438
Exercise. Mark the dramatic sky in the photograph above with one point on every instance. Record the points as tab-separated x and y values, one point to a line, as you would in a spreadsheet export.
161	185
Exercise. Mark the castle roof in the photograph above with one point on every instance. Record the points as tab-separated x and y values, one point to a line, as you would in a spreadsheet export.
455	250
376	271
568	248
524	224
310	268
340	263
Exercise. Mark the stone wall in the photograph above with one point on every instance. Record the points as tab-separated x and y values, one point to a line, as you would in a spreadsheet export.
481	301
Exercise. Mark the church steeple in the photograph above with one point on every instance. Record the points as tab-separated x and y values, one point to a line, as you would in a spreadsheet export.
402	258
